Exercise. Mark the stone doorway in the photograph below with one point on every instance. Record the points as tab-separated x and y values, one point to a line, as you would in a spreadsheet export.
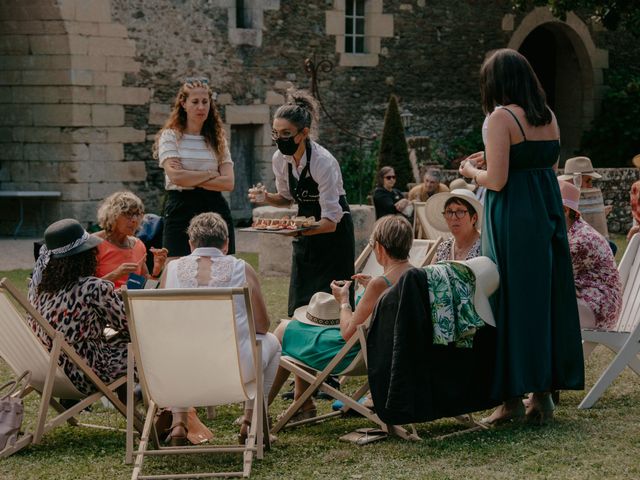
555	60
242	153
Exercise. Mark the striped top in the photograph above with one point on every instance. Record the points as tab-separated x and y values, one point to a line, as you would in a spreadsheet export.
193	153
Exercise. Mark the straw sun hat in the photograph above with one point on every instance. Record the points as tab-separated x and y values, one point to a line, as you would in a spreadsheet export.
487	282
459	183
322	311
578	165
435	206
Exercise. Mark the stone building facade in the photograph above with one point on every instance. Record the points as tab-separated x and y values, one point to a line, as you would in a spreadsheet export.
86	84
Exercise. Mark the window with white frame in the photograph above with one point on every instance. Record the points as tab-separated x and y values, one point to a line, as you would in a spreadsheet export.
354	26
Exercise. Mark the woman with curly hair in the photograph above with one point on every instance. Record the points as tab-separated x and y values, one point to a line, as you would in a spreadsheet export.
122	252
307	173
65	291
193	151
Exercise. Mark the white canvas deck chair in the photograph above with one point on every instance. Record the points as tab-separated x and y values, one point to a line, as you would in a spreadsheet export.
186	354
21	348
427	230
420	255
624	338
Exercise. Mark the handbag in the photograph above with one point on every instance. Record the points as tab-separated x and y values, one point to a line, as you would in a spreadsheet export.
11	409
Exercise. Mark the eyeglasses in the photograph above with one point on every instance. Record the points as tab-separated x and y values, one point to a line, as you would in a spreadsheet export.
133	216
275	135
390	177
457	213
203	80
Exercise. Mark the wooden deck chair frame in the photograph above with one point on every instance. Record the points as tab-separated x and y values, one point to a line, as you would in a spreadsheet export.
47	378
317	382
362	259
624	339
258	437
427	230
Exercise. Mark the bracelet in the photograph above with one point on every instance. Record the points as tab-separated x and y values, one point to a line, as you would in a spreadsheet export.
345	306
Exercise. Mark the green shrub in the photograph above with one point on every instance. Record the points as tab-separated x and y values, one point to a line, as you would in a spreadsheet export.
450	155
614	137
358	167
393	146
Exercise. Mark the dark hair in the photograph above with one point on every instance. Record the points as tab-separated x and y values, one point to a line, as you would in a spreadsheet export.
60	273
507	77
464	203
382	173
301	109
395	234
212	128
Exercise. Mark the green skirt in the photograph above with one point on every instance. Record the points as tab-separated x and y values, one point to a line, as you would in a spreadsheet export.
316	346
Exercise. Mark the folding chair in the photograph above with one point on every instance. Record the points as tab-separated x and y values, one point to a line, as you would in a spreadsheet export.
624	338
21	348
421	253
316	380
185	349
428	230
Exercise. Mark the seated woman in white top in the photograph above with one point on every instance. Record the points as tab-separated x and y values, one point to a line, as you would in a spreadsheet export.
210	266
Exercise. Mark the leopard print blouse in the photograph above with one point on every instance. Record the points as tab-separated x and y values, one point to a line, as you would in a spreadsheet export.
81	311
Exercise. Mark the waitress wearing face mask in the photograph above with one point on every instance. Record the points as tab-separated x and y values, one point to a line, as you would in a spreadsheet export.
307	174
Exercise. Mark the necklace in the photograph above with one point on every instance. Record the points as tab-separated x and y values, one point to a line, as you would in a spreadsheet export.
459	251
394	267
124	244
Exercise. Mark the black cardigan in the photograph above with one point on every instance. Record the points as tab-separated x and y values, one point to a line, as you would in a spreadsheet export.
411	379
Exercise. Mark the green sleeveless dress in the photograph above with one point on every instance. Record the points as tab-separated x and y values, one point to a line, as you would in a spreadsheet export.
538	332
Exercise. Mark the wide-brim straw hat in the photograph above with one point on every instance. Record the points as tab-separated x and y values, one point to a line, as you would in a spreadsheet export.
578	165
459	184
67	237
435	206
487	282
636	161
322	311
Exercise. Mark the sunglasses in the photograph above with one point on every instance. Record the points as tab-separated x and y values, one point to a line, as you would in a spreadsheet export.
203	80
390	177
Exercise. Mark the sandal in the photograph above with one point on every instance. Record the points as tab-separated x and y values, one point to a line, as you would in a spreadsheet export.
301	415
178	439
244	433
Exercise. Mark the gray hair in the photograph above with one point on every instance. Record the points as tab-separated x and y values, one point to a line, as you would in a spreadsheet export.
208	230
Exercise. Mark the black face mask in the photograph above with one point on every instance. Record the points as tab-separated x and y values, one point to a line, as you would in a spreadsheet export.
287	146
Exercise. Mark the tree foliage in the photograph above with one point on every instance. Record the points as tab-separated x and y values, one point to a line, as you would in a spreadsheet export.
393	146
612	14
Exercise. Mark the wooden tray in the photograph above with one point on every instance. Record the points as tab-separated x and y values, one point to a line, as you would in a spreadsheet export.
282	231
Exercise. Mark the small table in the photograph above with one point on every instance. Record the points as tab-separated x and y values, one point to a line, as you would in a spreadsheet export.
21	196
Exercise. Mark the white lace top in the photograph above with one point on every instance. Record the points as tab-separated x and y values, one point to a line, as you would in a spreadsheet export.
226	272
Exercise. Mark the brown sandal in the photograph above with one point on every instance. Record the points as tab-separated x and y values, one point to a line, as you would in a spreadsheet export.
178	440
244	432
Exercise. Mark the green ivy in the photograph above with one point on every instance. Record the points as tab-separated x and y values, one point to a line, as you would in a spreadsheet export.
614	137
358	167
449	155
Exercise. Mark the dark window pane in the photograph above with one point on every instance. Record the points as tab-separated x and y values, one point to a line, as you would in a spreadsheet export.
349	7
348	26
348	44
359	45
360	26
359	7
240	14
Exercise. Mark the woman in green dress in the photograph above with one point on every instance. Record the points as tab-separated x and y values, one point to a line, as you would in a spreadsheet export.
524	232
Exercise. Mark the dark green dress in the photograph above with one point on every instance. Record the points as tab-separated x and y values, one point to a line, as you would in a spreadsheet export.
539	344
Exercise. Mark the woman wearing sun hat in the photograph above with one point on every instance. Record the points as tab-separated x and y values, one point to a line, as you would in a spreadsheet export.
64	289
460	213
598	286
319	330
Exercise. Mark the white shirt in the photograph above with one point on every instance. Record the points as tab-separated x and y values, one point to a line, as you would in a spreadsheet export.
325	171
193	152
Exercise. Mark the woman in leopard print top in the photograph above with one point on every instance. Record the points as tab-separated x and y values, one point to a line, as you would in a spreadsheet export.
79	305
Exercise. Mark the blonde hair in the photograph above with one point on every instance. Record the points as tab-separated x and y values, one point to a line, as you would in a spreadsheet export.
212	128
208	230
395	234
115	205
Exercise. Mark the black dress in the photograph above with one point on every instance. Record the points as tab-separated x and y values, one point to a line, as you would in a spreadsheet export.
384	201
318	259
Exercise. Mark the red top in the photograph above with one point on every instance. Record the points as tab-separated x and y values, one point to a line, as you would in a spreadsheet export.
111	256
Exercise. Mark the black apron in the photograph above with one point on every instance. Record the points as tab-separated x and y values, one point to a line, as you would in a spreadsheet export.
318	259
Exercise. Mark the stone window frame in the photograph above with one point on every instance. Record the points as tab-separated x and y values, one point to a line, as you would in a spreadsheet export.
355	18
247	36
377	25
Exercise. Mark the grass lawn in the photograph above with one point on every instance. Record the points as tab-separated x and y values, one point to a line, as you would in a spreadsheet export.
603	442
